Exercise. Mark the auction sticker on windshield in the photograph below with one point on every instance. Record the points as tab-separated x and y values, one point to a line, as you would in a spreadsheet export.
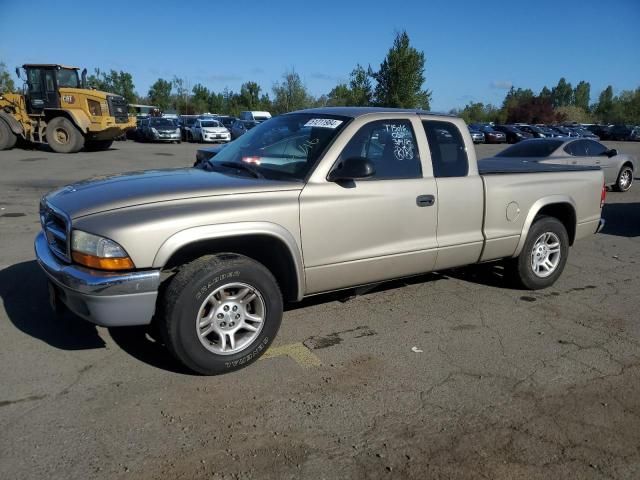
323	123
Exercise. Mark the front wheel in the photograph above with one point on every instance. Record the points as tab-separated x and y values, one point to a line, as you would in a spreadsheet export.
543	255
624	180
63	136
220	313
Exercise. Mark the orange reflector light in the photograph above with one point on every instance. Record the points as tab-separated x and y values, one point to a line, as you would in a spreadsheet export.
103	263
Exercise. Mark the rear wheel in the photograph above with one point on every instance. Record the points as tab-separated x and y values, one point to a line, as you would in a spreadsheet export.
63	136
624	180
97	145
220	313
7	138
543	255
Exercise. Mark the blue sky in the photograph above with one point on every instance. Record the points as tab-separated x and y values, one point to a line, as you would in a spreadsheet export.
474	50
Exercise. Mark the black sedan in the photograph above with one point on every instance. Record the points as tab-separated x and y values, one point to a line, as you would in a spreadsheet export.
513	133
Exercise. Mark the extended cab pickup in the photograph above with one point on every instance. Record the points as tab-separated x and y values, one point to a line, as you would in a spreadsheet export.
307	202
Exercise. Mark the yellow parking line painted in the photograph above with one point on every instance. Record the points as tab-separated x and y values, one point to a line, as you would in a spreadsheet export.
295	351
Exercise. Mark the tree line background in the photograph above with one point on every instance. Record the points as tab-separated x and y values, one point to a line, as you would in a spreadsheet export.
398	82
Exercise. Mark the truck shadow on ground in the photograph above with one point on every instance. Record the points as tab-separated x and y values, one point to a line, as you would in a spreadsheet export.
622	219
24	293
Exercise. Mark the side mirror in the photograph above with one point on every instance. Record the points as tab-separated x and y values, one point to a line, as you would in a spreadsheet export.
353	168
612	153
84	78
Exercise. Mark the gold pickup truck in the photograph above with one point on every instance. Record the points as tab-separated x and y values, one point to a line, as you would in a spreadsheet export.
308	202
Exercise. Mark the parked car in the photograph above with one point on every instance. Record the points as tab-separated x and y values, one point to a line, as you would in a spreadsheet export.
224	246
490	135
635	134
255	116
205	130
185	123
535	132
584	133
158	129
240	127
227	121
512	133
476	135
602	131
618	168
549	132
620	132
564	131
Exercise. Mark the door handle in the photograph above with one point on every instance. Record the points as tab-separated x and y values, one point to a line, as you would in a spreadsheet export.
425	200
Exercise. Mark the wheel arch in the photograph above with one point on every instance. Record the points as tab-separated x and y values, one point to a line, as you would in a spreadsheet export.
561	207
77	117
267	243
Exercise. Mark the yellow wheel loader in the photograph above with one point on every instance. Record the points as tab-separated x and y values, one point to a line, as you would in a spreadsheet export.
58	109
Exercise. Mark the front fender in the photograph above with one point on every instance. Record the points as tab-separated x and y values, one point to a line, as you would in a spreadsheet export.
228	230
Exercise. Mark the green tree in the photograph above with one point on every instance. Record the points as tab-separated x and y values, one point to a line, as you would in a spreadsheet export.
361	91
216	103
339	96
160	94
290	94
545	92
562	94
581	95
120	83
6	82
250	95
604	107
200	98
265	103
573	113
401	77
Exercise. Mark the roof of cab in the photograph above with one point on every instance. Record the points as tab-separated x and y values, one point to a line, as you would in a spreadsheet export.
48	65
359	111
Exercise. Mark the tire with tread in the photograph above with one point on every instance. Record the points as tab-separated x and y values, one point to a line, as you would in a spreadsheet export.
618	187
520	270
8	139
75	139
189	288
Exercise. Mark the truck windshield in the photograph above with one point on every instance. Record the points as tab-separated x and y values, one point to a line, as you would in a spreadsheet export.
68	78
287	146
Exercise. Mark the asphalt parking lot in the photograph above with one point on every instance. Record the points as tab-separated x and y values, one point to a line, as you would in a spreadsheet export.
450	375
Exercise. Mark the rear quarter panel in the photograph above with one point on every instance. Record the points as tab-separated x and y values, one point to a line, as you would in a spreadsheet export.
513	200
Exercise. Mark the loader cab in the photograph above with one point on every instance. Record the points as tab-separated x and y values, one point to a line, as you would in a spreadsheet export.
43	82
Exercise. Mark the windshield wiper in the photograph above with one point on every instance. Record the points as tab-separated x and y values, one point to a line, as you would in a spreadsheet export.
242	166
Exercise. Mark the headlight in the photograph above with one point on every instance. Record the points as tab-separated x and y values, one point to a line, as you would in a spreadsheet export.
94	108
154	131
98	252
178	131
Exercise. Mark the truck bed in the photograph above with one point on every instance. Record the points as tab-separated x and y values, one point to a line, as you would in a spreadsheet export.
501	166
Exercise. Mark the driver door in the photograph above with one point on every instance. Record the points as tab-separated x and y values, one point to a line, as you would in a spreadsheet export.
383	227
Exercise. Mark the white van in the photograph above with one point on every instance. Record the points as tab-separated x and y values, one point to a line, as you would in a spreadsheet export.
255	116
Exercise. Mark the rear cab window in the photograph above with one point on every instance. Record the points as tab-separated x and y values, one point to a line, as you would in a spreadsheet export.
448	150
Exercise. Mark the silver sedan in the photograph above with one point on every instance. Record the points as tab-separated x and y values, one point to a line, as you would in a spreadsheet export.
618	168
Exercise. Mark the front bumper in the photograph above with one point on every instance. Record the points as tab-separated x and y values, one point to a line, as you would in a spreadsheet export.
601	224
104	298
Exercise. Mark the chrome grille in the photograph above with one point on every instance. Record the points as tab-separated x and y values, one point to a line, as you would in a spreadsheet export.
57	228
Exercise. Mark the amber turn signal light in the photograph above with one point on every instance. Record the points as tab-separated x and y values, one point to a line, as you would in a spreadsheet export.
91	261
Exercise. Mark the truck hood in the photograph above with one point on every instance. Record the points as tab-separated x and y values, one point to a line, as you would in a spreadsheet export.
137	188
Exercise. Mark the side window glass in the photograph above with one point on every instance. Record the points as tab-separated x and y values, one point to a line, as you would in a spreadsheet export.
448	151
577	149
595	149
390	145
34	81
